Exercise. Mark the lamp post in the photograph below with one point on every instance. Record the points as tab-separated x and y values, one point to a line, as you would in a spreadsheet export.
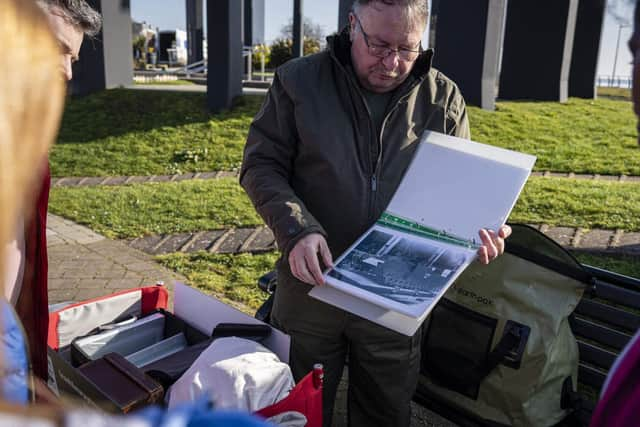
615	58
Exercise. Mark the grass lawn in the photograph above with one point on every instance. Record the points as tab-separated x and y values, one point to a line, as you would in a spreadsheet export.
627	265
231	276
127	132
581	136
579	203
123	132
130	132
137	210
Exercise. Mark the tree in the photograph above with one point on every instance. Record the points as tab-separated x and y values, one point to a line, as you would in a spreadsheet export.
260	52
282	50
310	29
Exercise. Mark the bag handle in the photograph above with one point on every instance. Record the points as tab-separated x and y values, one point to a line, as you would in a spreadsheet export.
507	352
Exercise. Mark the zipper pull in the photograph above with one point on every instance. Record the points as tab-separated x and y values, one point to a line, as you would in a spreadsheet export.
374	183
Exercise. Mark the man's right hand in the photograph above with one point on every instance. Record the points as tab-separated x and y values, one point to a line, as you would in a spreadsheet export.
303	259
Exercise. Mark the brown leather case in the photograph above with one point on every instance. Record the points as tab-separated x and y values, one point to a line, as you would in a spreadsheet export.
122	382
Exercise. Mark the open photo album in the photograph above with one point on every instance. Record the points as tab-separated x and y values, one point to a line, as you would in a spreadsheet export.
396	272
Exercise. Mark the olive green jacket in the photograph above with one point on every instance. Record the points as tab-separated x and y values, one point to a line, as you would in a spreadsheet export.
313	161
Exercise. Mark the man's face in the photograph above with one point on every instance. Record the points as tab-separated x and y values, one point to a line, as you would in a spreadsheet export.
69	38
380	25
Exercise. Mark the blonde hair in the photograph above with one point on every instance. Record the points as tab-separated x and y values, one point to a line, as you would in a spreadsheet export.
31	100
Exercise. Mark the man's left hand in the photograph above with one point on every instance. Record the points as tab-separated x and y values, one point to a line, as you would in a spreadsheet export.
492	243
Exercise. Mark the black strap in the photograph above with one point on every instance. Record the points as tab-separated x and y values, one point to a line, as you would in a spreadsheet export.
498	355
550	263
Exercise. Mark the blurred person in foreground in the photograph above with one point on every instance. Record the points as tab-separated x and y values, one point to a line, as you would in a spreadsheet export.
634	45
31	103
27	268
619	404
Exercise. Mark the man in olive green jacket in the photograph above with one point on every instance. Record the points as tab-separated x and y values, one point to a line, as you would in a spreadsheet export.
323	158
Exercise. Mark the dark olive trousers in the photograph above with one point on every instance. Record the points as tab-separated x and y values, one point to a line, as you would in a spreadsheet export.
383	365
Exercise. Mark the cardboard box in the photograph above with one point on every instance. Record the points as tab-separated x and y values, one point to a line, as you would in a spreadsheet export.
198	310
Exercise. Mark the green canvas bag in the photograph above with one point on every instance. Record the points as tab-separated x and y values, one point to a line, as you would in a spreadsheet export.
498	347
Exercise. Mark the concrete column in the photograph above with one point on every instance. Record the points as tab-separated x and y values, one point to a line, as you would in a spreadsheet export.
224	77
586	48
253	22
195	31
537	49
468	46
298	30
344	8
107	61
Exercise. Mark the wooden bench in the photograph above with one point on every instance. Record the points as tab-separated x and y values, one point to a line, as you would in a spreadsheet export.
604	321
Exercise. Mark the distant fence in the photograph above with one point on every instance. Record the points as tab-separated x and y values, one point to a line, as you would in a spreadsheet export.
614	81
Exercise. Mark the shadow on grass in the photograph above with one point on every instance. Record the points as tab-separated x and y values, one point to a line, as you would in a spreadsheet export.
121	111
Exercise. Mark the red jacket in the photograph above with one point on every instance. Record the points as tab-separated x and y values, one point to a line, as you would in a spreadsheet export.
33	303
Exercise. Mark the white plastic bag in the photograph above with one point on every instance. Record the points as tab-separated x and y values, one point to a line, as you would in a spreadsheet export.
235	373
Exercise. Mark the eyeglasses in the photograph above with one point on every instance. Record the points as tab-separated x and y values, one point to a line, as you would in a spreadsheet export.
379	51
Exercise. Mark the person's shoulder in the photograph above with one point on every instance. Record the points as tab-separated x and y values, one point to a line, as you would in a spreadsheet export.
304	64
440	81
307	67
438	89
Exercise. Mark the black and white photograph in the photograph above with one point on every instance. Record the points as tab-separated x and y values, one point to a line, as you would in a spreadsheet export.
401	267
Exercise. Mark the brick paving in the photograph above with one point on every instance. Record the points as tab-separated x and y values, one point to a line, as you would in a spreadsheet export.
80	181
83	264
260	239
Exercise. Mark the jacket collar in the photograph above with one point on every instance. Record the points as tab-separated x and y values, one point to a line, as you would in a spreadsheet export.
339	45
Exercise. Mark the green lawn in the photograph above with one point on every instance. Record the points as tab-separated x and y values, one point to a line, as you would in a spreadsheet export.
233	277
579	203
137	210
132	132
581	136
128	132
623	264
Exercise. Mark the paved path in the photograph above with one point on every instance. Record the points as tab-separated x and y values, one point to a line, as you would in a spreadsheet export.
83	264
191	88
260	239
80	181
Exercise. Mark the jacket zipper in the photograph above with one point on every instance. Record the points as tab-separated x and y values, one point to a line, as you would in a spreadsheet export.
378	161
374	177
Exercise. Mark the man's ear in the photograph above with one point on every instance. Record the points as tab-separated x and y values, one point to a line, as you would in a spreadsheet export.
352	26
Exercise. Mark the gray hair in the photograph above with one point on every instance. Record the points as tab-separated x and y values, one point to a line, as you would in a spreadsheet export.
416	10
76	12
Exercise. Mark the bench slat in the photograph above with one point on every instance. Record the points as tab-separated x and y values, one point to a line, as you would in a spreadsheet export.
591	376
609	314
613	278
613	293
598	333
597	356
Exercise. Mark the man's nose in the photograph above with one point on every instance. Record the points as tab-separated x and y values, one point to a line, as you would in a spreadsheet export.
390	61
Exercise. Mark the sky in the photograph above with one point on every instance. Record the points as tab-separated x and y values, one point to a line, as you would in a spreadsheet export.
171	14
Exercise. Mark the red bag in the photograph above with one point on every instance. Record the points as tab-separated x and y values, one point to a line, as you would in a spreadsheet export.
79	319
306	398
